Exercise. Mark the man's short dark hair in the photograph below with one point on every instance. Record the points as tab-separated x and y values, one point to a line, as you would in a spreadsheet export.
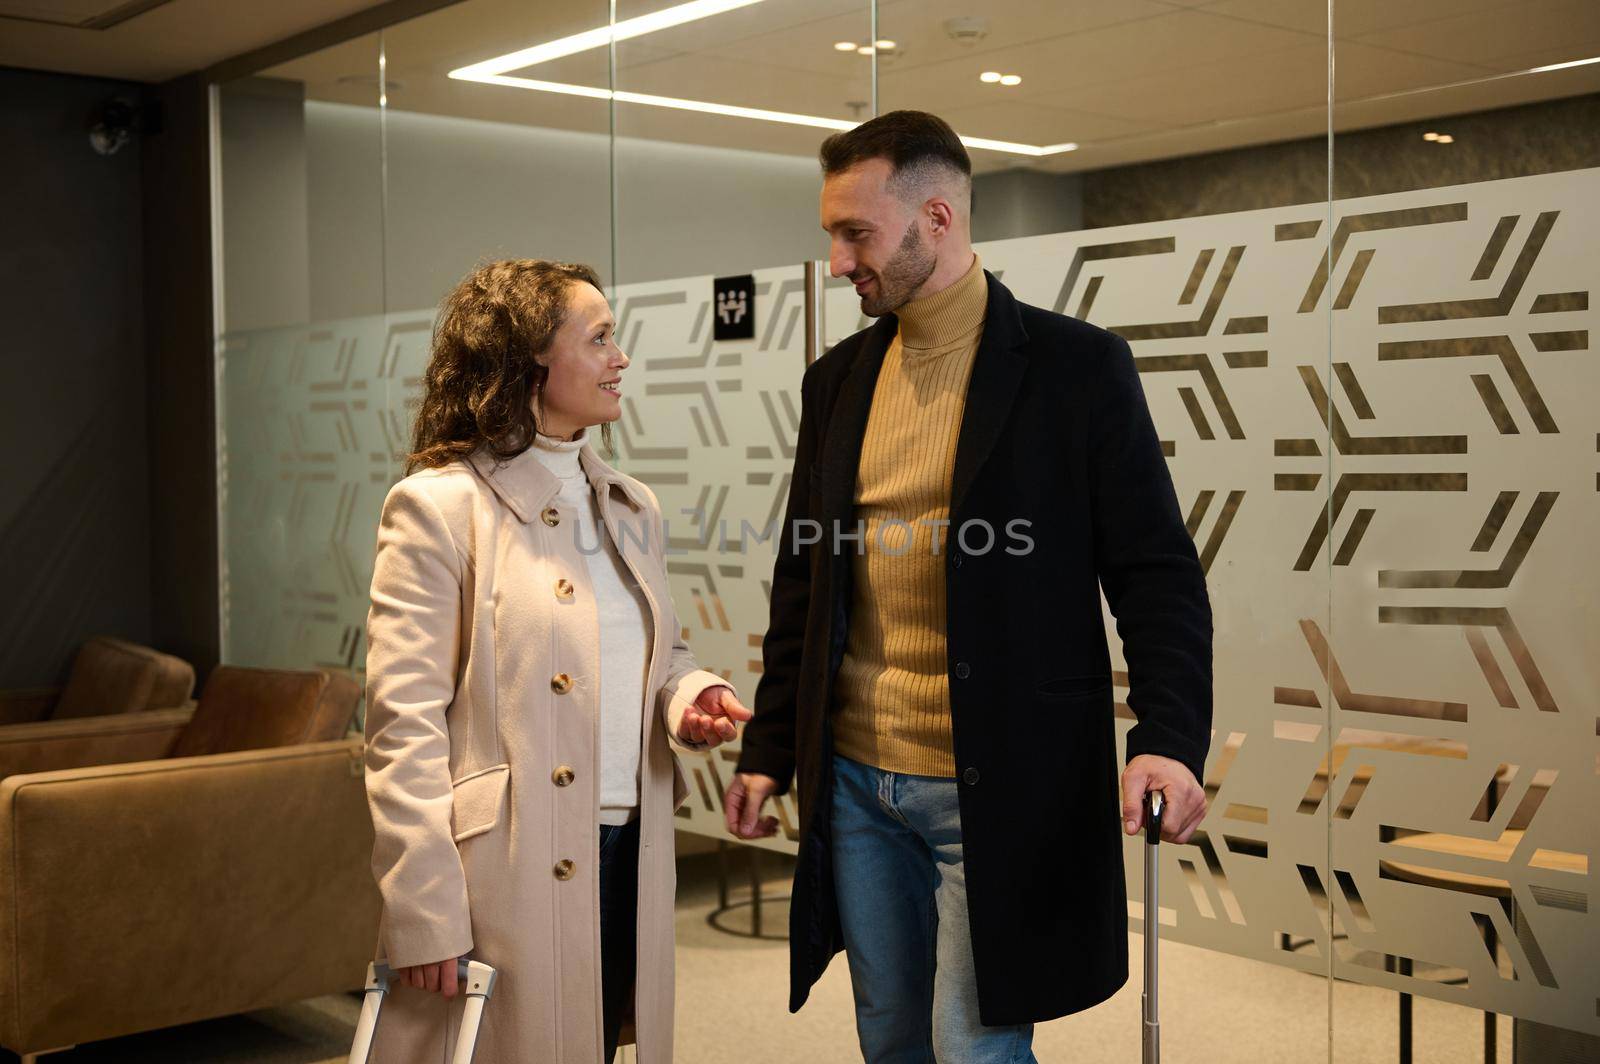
915	143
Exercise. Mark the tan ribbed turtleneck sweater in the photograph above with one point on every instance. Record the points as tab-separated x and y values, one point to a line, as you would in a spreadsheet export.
893	693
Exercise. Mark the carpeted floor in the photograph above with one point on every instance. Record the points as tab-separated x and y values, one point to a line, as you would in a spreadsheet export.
732	995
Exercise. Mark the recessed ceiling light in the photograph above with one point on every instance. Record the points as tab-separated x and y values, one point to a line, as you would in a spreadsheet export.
885	46
845	46
865	49
1444	138
1430	136
1011	79
989	77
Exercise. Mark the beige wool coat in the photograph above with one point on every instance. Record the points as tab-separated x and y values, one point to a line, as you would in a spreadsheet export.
482	701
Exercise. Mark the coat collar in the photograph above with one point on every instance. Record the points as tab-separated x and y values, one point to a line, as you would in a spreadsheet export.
841	448
997	372
527	487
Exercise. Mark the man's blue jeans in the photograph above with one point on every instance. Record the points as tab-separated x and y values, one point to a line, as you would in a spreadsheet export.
902	890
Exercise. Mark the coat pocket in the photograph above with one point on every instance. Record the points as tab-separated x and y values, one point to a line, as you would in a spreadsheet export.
1071	687
479	801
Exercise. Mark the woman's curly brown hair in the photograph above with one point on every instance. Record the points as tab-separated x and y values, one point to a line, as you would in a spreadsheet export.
483	371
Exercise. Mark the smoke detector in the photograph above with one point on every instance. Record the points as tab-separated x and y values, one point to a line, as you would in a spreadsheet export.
967	30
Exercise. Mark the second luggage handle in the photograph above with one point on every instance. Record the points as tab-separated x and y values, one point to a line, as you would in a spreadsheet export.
1154	802
476	980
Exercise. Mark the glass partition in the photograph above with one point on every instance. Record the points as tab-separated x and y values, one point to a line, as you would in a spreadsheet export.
305	439
1461	648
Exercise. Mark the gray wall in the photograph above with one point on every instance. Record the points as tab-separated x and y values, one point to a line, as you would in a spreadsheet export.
1012	203
461	191
264	225
74	505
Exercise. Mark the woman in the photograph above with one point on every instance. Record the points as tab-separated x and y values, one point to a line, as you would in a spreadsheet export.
524	673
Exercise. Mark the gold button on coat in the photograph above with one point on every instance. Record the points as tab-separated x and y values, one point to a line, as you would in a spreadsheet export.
564	870
560	683
563	776
551	516
564	588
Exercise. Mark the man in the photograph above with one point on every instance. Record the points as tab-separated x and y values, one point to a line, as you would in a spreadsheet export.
970	473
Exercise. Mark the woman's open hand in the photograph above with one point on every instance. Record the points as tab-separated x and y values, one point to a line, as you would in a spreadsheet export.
714	718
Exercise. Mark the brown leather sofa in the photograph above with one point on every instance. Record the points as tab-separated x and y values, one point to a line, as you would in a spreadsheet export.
108	676
169	866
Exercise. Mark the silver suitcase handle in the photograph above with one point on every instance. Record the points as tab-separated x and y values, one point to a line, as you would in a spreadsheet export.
477	983
1154	802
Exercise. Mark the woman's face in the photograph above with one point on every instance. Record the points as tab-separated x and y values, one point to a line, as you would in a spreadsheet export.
584	386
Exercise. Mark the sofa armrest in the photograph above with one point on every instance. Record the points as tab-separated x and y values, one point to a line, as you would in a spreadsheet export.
26	706
156	893
49	745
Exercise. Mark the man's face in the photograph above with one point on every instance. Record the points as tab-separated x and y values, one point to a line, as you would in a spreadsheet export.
876	239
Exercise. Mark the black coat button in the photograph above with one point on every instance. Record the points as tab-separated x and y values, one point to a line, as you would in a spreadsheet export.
971	777
955	560
963	670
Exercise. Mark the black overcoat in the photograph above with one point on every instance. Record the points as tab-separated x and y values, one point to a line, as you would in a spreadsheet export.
1056	435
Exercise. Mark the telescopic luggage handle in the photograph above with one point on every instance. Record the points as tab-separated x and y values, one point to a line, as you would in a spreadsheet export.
477	983
1154	803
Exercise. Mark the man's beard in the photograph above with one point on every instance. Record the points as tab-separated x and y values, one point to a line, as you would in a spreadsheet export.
910	267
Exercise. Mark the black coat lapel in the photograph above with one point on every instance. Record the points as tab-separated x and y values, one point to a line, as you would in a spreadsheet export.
997	371
847	423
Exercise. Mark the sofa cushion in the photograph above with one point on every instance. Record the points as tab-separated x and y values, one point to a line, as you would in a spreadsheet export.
115	676
252	709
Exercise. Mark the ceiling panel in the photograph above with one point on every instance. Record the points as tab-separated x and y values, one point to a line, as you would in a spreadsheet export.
1177	40
176	38
1039	124
1191	140
1363	70
1214	92
1485	38
918	26
1465	99
804	45
90	13
1350	17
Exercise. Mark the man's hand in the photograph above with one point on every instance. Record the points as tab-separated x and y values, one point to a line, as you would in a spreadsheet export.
713	719
742	804
1186	799
436	978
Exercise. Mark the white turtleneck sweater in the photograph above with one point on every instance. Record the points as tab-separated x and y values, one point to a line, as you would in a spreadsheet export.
623	613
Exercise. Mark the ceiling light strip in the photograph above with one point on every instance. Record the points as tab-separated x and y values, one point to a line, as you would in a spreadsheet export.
1563	66
599	38
729	110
